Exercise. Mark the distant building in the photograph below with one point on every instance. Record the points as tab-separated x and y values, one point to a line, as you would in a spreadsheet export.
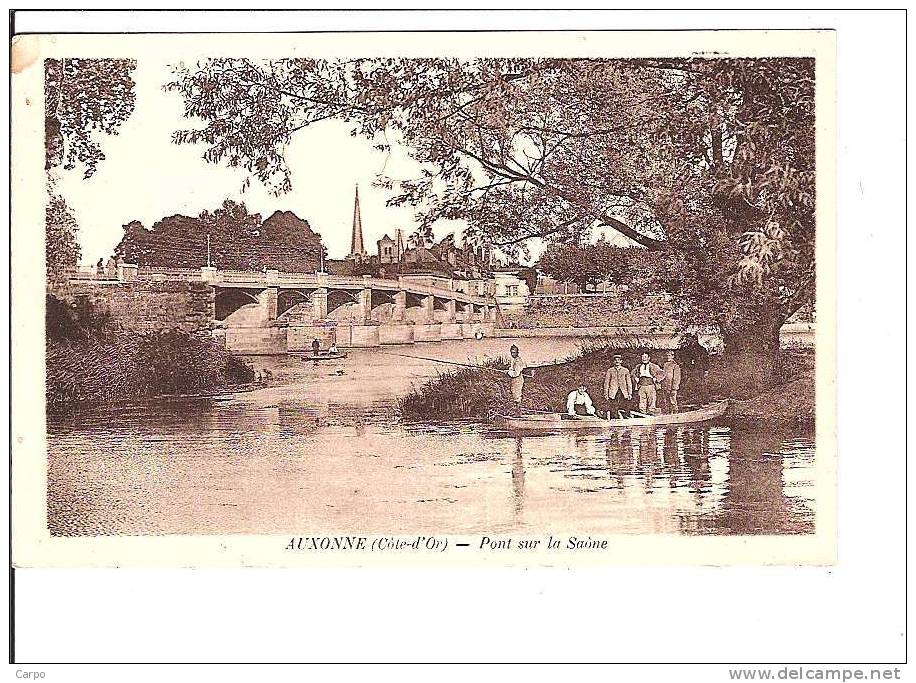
510	290
422	255
443	260
386	250
391	250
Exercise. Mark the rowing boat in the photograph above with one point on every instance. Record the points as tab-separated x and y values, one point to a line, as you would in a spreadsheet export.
323	355
551	422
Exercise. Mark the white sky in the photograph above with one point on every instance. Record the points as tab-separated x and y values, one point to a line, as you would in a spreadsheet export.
145	177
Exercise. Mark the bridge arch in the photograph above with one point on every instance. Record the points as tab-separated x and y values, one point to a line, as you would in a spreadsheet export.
383	305
341	297
289	298
230	299
414	299
380	297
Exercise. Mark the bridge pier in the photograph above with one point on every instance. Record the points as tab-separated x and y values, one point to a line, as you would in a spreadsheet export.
357	336
268	299
365	301
400	307
320	304
427	332
428	304
451	331
451	328
397	333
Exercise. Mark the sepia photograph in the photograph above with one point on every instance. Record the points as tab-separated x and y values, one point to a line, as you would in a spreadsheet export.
331	290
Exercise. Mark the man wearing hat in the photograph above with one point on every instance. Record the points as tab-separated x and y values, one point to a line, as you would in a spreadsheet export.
618	387
671	382
645	376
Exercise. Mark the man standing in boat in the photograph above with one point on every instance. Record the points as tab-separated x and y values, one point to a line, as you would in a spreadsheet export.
695	359
671	382
316	347
517	378
645	376
618	387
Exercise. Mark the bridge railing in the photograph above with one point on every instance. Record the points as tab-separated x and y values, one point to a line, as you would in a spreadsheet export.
86	274
272	278
241	276
298	278
164	274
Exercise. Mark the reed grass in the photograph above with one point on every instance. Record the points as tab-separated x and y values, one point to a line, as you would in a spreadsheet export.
127	366
478	394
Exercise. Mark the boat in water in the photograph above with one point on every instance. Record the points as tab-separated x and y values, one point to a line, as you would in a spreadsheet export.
323	355
554	422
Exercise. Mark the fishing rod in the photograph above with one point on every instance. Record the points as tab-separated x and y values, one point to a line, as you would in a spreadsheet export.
451	362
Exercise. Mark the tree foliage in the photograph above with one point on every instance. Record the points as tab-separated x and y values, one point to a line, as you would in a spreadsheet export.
62	251
707	162
591	264
84	97
239	240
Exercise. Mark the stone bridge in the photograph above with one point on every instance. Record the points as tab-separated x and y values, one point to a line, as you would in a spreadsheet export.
272	312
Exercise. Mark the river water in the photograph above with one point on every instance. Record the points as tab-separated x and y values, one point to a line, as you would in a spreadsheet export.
323	453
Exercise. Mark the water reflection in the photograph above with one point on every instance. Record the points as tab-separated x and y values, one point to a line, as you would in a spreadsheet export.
518	480
317	455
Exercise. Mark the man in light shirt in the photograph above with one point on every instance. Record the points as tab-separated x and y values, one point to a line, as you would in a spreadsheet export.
645	375
516	371
579	397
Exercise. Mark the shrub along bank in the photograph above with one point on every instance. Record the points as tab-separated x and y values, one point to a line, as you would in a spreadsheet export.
87	362
482	394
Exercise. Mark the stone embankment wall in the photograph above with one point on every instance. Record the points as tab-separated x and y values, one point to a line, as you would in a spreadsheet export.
146	306
591	310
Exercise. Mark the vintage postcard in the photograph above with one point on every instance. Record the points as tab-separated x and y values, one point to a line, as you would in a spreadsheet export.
528	299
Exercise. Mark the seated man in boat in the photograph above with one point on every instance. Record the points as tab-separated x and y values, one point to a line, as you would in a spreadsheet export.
332	350
579	397
645	376
618	388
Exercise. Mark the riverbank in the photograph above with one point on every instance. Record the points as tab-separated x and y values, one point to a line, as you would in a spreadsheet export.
91	360
792	401
483	394
129	366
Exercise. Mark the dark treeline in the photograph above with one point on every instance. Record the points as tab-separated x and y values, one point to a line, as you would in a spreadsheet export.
238	240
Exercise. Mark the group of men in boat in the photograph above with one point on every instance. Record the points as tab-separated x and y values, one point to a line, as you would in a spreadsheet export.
654	387
648	381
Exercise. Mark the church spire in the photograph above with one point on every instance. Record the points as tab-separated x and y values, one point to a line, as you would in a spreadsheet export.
356	241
